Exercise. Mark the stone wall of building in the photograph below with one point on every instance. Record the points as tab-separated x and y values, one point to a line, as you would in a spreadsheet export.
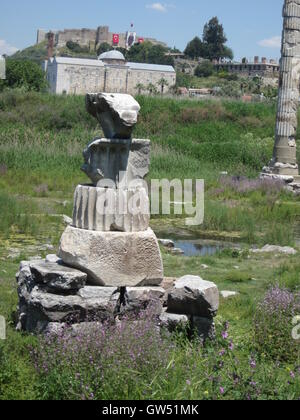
71	77
145	78
250	69
75	79
116	79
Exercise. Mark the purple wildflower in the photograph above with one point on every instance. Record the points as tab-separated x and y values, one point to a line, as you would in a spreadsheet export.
225	335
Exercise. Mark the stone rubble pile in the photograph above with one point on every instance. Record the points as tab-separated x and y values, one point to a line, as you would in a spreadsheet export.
52	295
109	262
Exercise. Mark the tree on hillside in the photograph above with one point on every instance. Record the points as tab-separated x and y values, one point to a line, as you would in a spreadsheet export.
195	48
228	53
37	53
103	48
123	51
205	69
146	52
213	44
215	39
183	80
76	48
157	55
25	74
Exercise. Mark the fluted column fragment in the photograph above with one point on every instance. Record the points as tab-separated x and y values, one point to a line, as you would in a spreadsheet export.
284	160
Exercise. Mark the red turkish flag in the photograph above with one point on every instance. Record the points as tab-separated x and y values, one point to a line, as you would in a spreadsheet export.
116	39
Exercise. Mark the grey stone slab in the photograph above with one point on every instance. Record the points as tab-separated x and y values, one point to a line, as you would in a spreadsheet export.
173	321
113	259
116	163
38	306
194	296
57	277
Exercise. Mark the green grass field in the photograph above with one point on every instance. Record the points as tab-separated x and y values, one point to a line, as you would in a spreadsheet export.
41	143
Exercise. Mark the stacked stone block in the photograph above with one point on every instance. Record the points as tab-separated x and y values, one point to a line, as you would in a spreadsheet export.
109	262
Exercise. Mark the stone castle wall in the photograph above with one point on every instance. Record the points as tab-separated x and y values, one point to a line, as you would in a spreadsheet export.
84	37
91	38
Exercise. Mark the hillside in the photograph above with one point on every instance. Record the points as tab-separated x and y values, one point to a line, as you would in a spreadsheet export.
38	53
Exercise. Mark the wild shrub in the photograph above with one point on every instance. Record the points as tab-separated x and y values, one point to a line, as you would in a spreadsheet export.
102	361
273	324
132	361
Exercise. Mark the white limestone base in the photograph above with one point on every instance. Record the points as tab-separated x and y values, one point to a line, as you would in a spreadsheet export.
292	181
115	259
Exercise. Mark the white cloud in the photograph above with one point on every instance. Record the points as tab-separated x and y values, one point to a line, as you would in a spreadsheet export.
158	7
6	48
274	42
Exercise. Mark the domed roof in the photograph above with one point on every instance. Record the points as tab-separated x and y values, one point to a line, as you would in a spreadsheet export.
112	55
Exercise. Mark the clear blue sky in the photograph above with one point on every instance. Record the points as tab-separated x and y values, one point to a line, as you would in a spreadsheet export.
252	27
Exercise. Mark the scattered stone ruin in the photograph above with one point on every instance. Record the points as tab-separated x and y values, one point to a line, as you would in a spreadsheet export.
284	164
109	261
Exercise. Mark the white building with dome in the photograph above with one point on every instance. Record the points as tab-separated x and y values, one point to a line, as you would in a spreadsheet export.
110	73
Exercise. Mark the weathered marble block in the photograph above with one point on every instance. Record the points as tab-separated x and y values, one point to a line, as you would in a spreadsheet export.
116	259
116	163
116	113
194	296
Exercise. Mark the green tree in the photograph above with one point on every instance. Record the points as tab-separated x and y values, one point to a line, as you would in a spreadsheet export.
25	74
151	89
146	52
157	55
195	48
205	69
215	40
140	88
139	53
162	83
123	51
104	47
228	53
183	80
76	48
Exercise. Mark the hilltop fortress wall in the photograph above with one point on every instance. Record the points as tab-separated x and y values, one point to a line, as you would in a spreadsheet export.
91	38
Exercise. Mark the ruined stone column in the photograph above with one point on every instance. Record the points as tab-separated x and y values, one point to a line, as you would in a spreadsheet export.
110	238
284	163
